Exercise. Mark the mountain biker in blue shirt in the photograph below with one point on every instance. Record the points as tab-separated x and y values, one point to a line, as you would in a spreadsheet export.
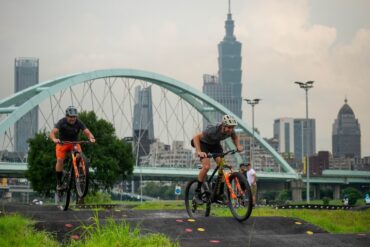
209	141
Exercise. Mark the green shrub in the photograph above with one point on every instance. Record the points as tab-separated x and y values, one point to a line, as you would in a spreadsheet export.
326	200
98	198
284	195
268	195
326	192
353	194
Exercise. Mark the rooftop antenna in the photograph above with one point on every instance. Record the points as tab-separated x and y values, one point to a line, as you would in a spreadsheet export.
229	7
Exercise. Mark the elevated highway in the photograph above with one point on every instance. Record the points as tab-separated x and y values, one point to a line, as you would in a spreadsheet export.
161	173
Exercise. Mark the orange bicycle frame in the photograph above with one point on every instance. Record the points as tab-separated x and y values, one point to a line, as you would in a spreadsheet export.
226	176
74	162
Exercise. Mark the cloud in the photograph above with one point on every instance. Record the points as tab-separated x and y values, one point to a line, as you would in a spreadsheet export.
281	46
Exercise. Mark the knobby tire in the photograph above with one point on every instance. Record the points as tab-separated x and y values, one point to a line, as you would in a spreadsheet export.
241	207
194	210
82	183
64	197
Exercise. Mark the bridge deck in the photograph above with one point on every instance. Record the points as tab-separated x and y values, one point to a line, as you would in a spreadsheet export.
329	176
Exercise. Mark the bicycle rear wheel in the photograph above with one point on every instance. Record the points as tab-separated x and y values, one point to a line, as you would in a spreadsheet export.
197	210
63	197
239	199
82	181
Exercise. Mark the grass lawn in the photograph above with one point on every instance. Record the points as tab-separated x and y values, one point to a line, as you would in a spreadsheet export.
331	202
334	221
17	231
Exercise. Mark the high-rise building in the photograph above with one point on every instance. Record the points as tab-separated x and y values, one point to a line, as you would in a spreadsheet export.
227	87
220	92
346	135
304	139
362	164
293	138
284	133
26	74
341	163
319	162
143	130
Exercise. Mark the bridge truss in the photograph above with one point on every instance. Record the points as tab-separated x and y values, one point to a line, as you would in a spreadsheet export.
178	110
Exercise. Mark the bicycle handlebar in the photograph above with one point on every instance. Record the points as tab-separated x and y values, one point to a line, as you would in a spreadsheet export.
74	142
214	155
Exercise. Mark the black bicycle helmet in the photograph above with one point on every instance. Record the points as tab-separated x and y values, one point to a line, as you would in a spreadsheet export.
71	111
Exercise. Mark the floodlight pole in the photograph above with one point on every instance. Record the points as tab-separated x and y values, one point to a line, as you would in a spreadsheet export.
306	86
252	102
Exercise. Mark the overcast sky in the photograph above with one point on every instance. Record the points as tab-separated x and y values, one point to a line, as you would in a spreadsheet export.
283	41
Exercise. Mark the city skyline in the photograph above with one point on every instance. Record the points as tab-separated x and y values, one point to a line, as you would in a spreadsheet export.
226	87
283	42
292	137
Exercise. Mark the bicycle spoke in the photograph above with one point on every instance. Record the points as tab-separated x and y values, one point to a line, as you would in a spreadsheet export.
63	196
82	179
239	197
193	208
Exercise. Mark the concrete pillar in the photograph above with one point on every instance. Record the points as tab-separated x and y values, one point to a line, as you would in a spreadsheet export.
316	191
336	192
132	186
8	196
296	186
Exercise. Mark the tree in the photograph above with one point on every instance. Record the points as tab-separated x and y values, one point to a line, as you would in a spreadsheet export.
41	163
110	158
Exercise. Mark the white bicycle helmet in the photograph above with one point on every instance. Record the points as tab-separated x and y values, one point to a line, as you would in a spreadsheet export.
71	111
229	121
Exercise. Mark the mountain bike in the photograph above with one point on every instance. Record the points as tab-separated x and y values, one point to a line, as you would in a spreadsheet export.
228	188
75	176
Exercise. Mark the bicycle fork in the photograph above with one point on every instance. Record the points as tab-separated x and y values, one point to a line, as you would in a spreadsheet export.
74	163
228	184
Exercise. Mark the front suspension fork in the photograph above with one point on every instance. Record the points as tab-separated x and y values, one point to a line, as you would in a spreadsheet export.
231	190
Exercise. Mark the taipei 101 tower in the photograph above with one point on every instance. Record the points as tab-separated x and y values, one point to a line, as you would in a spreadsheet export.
226	88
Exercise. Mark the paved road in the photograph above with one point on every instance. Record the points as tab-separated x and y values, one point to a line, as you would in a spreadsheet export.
210	231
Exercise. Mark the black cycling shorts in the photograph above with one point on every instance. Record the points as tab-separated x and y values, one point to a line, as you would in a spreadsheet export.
207	148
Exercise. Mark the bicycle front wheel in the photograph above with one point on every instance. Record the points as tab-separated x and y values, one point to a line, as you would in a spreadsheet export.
82	181
63	197
239	197
193	208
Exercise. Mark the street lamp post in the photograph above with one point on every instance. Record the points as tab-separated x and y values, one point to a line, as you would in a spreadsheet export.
252	102
306	86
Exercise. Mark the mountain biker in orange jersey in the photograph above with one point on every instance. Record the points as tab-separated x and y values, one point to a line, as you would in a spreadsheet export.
208	141
68	128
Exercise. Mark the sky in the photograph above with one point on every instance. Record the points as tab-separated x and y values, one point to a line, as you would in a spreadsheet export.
327	41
